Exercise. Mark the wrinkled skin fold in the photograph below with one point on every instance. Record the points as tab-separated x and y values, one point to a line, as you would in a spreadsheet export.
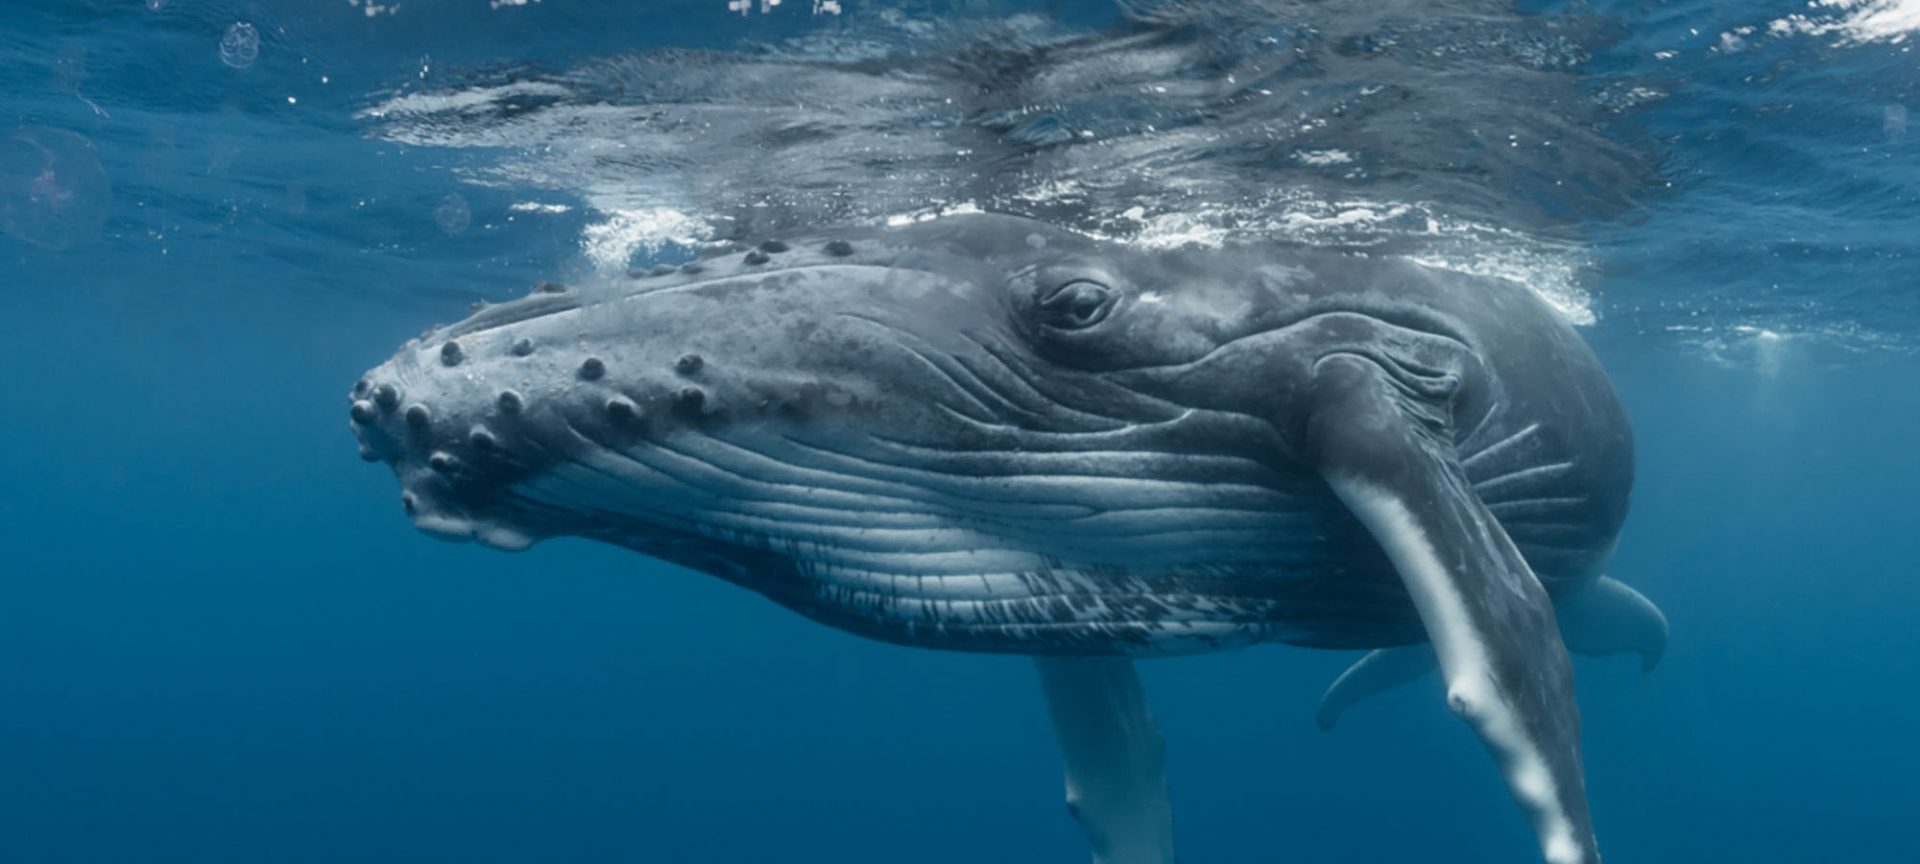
982	433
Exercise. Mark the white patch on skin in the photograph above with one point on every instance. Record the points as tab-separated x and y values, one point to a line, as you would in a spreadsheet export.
502	538
1464	660
459	530
443	527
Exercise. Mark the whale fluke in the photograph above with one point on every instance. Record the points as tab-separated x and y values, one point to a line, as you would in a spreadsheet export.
1608	618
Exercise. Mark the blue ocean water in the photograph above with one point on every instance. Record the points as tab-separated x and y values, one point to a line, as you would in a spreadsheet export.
221	642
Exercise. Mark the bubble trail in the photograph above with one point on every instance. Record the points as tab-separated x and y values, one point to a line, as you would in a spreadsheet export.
453	215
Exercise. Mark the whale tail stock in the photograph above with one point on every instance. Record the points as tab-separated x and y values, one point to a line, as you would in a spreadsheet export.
1602	619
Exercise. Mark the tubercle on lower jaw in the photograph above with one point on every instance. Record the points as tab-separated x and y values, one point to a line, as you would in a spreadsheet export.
454	457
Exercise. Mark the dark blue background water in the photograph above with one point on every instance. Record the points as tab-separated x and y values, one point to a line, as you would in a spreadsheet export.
220	642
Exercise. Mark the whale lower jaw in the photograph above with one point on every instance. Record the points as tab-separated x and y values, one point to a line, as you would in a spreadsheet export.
855	553
1156	569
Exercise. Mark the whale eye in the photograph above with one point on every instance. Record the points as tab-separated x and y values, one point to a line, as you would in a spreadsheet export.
1076	305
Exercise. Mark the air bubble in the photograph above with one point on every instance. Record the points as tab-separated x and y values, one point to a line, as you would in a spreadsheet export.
53	192
240	46
453	216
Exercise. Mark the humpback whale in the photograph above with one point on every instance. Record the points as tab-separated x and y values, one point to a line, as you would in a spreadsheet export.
986	433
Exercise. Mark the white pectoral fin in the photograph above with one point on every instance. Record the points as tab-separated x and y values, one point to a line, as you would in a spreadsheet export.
1488	618
1375	673
1602	619
1115	760
1608	618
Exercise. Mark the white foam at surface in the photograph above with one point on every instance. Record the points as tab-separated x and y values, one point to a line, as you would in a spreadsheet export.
611	243
645	181
459	101
931	213
1553	280
1323	158
1855	21
1344	215
1173	230
374	9
1551	271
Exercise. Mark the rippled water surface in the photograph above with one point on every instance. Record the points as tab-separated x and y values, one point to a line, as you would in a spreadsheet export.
1564	145
219	641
